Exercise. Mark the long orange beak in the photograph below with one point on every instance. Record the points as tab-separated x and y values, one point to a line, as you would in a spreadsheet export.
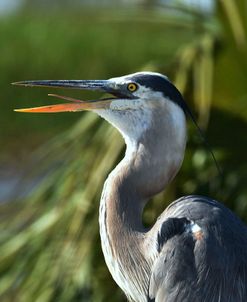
75	104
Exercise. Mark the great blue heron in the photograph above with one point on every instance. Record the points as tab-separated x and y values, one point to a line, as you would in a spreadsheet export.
197	249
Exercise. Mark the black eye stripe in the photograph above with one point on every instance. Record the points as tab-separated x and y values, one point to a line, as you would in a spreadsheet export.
158	83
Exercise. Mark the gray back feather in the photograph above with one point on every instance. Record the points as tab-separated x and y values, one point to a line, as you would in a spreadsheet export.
212	267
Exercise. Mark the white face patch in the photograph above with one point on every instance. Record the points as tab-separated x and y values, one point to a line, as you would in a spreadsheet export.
125	104
148	95
130	117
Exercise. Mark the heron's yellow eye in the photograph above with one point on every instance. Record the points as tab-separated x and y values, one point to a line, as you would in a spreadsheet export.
132	87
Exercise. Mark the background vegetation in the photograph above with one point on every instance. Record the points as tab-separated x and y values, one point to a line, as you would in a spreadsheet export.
50	248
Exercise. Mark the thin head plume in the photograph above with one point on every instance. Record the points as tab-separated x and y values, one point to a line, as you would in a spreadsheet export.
189	112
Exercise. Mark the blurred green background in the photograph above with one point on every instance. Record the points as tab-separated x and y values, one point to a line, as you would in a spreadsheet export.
52	167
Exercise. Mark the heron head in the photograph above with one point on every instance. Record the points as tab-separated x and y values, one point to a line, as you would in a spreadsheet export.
140	101
131	106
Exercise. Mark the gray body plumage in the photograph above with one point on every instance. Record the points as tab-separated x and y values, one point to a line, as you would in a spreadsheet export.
208	266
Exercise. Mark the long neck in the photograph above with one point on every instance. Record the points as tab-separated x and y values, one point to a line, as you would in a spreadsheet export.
150	163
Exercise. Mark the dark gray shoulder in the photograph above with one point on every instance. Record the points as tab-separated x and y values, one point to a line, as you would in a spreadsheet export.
171	227
202	256
207	211
174	270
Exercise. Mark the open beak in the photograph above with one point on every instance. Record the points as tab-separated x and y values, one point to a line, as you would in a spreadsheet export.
75	104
